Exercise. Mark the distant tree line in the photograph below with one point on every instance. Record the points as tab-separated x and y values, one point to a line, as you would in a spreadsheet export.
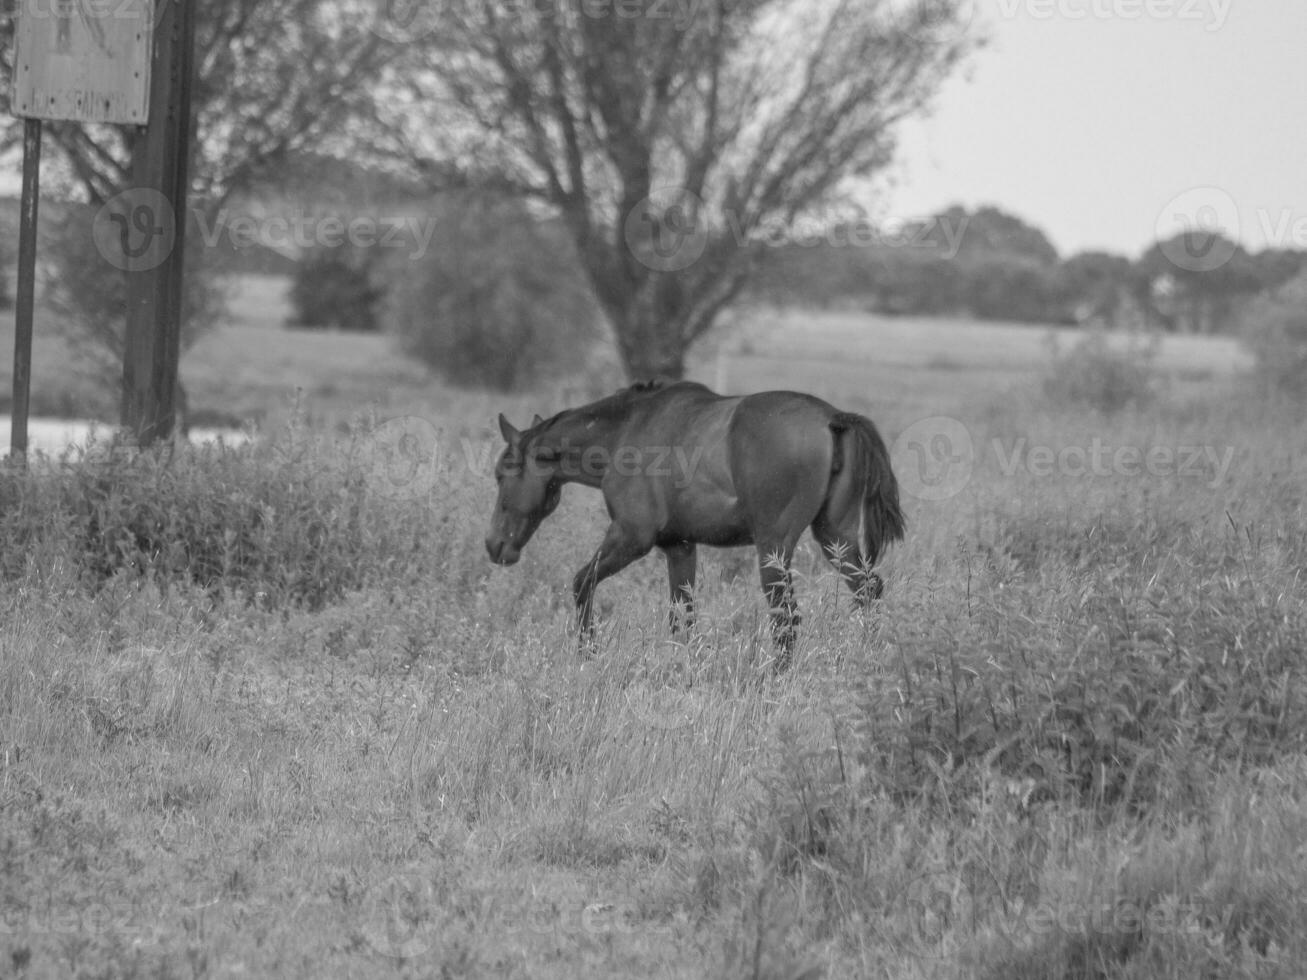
990	265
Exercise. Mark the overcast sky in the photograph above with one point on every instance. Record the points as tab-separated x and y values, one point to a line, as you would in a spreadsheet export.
1097	119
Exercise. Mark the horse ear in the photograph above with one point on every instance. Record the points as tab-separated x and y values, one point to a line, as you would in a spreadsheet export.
536	421
506	429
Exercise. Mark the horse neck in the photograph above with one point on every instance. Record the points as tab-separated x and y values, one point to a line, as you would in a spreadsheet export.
588	441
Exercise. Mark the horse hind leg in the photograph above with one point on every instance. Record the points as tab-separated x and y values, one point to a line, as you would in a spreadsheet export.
840	543
778	587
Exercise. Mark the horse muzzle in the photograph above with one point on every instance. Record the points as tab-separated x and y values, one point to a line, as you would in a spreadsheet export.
501	552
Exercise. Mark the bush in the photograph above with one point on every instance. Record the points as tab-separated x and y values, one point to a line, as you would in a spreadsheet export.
1275	328
1008	288
336	287
90	297
289	523
497	301
1096	375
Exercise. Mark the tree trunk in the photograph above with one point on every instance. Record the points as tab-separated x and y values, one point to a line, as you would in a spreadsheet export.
648	347
650	330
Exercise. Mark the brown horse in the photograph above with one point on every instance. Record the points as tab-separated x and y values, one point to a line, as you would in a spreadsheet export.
681	466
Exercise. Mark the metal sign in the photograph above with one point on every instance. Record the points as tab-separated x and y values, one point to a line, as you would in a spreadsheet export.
84	60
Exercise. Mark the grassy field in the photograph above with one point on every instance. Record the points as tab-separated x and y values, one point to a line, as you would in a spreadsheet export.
1068	744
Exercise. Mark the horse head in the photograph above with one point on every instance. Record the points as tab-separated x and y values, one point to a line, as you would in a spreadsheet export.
529	490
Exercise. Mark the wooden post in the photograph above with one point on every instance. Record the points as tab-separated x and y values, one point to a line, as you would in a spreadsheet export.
160	162
25	301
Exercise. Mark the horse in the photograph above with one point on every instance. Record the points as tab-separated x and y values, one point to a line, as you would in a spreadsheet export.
680	466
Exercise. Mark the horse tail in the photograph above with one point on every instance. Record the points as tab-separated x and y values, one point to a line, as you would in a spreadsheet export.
861	454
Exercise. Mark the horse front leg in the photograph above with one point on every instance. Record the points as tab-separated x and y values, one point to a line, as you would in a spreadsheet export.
619	548
682	566
778	587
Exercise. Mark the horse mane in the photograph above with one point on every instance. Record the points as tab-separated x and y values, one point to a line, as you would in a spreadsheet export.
650	384
613	404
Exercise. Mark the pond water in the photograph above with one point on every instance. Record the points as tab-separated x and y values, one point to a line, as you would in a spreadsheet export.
53	436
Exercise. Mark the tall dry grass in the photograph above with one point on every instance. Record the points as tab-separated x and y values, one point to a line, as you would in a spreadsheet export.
1067	744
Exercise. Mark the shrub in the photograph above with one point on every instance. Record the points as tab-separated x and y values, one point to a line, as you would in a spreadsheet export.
1008	288
497	301
289	523
1096	375
90	297
1275	328
336	287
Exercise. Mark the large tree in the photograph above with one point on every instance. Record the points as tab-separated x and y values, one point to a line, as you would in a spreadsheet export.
1195	281
671	136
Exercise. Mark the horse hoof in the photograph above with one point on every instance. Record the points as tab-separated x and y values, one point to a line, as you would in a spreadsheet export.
875	586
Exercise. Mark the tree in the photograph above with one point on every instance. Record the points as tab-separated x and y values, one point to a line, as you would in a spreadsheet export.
670	146
1277	266
1005	287
1195	280
1094	286
1275	328
989	234
272	80
497	301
